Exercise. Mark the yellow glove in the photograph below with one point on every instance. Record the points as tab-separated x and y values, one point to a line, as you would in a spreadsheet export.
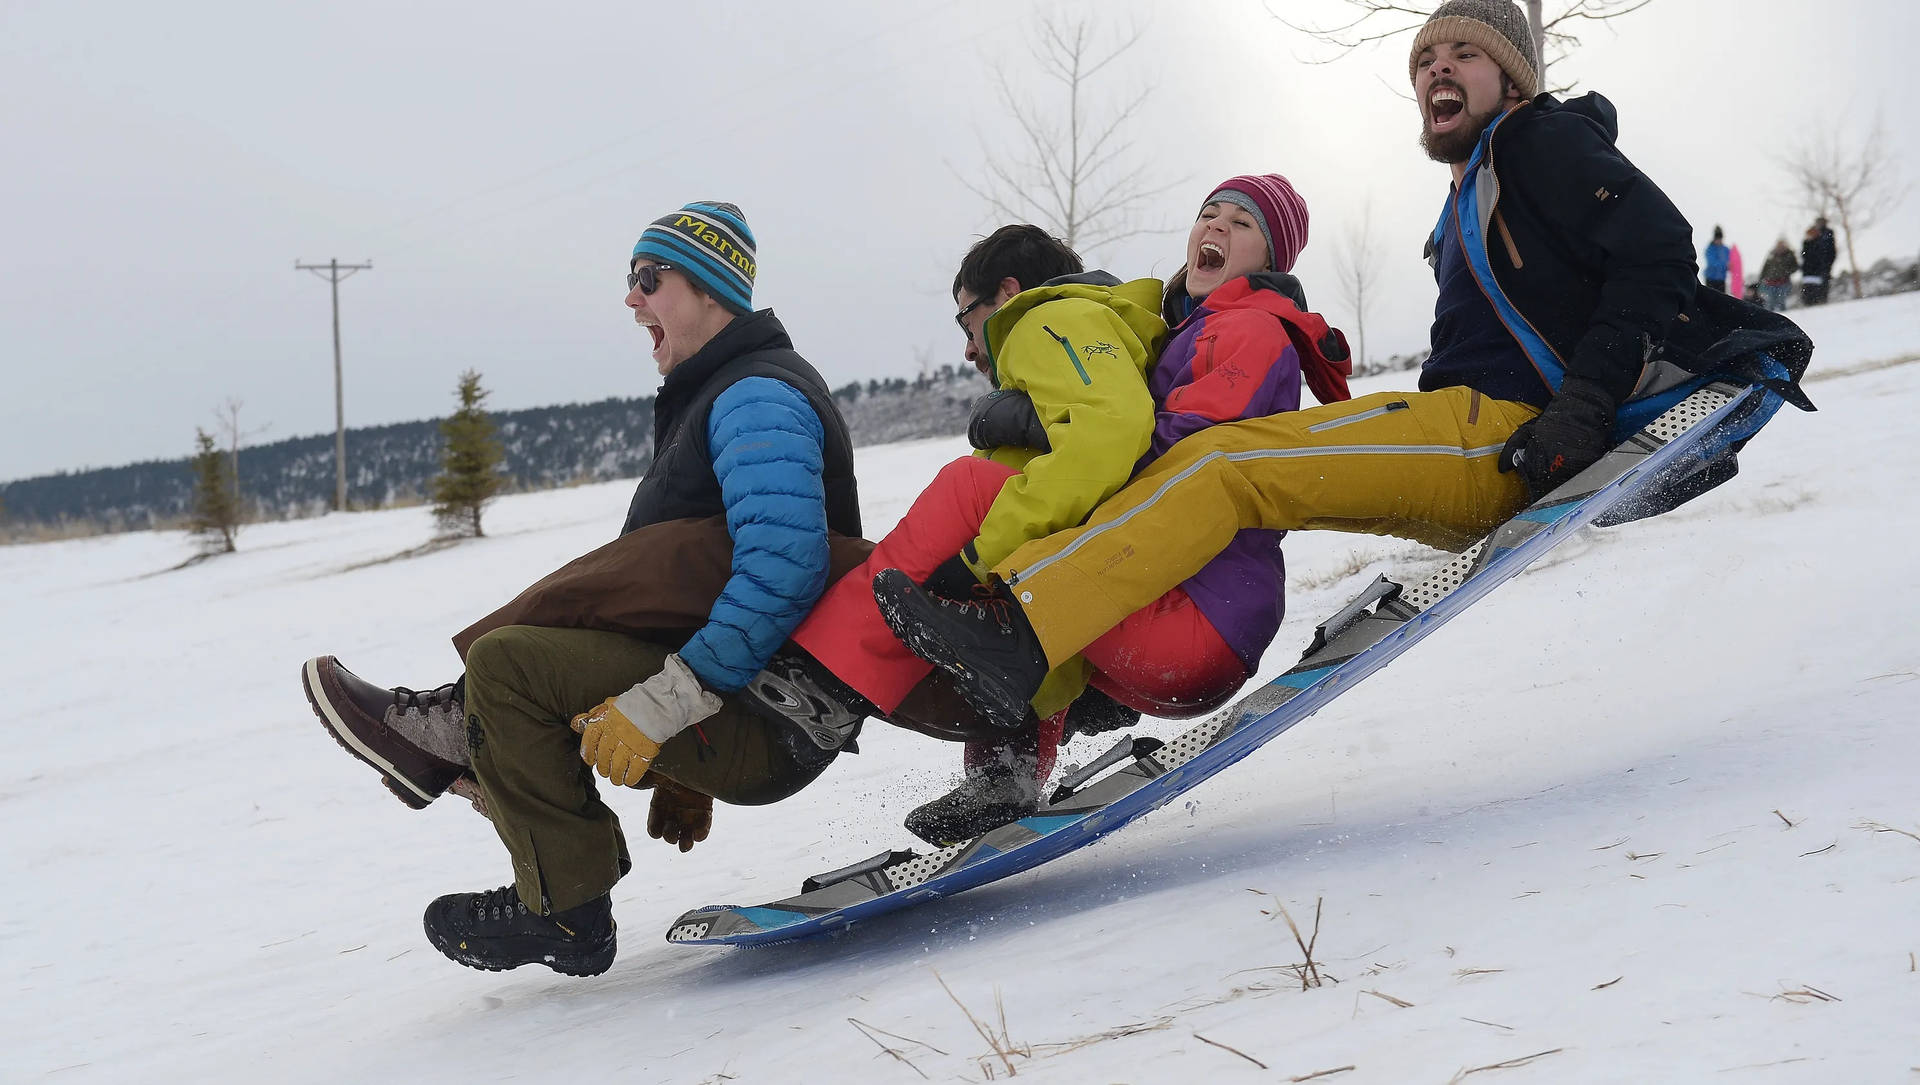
622	735
611	743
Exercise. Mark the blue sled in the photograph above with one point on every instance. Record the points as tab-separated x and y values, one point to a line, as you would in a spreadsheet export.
1143	774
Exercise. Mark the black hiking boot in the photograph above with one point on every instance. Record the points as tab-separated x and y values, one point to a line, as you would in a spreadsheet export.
496	931
1095	713
1001	786
417	741
985	642
796	689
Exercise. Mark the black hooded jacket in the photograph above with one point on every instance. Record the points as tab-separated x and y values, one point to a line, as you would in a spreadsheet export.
1590	255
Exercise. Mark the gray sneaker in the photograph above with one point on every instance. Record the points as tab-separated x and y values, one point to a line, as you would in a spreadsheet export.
417	741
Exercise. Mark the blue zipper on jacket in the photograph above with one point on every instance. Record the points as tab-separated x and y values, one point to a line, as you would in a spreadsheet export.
1473	245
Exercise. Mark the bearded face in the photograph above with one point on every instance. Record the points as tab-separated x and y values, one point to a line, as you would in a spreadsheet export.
1460	91
1459	127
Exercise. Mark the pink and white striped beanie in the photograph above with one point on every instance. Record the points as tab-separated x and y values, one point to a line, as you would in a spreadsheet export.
1281	212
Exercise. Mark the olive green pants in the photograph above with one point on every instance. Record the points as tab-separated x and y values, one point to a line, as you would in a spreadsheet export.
525	685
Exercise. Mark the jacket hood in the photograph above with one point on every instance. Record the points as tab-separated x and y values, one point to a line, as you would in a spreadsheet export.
1325	361
1592	107
1136	303
1282	283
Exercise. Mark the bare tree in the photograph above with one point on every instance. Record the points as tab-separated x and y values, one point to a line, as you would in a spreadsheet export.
227	420
1076	171
1857	182
1357	265
1553	35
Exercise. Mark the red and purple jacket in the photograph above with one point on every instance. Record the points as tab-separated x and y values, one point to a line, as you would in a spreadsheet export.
1242	353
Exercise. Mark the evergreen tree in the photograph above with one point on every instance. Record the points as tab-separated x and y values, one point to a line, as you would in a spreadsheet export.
469	463
216	512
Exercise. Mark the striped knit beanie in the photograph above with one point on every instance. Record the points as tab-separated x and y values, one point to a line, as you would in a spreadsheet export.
1494	25
710	244
1281	212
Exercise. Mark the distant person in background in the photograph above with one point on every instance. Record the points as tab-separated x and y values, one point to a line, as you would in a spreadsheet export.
1715	273
1817	254
1776	276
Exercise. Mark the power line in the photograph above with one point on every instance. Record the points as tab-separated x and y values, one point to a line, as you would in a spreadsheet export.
333	270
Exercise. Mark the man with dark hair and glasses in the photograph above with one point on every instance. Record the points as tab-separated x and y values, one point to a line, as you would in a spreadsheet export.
749	450
1068	353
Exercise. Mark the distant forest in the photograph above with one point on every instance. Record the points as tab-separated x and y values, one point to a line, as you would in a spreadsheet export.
391	465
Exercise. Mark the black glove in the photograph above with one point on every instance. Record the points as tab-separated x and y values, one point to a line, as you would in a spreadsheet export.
953	579
1567	438
1006	419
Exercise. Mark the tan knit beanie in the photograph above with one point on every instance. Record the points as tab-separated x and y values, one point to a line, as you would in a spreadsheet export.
1494	25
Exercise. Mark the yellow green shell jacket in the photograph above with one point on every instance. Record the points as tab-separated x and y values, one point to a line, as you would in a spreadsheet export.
1080	348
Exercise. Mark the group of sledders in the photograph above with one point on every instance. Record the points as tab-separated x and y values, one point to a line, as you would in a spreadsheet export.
1113	547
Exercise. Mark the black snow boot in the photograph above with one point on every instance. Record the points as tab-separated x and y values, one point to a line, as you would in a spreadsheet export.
1095	713
496	931
1001	786
984	642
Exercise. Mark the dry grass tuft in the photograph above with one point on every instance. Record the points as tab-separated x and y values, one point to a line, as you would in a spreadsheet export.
1308	970
1003	1047
868	1031
1783	817
1121	1032
1805	994
1320	1073
1385	997
1235	1050
1877	827
1507	1065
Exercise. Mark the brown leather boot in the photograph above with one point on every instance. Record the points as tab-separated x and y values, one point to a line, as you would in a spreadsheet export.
417	741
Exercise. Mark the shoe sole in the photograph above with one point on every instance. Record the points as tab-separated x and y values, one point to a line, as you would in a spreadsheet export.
929	646
401	788
980	824
571	961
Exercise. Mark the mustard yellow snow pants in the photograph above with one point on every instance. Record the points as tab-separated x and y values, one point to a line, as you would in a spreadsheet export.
1420	465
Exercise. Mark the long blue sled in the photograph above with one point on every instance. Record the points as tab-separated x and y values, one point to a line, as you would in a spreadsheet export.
1139	775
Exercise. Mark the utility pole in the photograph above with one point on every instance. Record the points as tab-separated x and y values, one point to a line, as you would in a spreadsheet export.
332	272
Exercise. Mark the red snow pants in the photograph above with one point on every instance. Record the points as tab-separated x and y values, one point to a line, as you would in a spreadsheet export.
1165	659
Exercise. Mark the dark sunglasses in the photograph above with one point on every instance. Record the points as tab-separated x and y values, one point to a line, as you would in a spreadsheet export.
960	317
646	277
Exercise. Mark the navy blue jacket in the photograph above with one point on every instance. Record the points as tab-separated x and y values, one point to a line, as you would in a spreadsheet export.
1584	260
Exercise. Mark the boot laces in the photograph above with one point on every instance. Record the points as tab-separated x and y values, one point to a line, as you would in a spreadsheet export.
423	702
987	605
499	904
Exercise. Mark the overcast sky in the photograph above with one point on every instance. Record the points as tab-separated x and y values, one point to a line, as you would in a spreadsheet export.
166	164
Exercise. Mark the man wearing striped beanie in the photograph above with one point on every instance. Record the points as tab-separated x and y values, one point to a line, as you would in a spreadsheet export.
732	533
710	244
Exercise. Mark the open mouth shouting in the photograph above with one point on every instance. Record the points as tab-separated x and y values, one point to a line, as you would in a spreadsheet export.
1446	106
654	329
1211	257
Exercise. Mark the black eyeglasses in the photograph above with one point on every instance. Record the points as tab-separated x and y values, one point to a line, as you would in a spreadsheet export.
960	317
646	277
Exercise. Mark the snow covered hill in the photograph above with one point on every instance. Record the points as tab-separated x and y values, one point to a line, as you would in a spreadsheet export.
1649	812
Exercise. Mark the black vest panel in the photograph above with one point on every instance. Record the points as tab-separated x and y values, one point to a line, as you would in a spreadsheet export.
680	483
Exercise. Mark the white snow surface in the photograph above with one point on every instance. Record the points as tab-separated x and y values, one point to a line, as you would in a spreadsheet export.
1621	815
